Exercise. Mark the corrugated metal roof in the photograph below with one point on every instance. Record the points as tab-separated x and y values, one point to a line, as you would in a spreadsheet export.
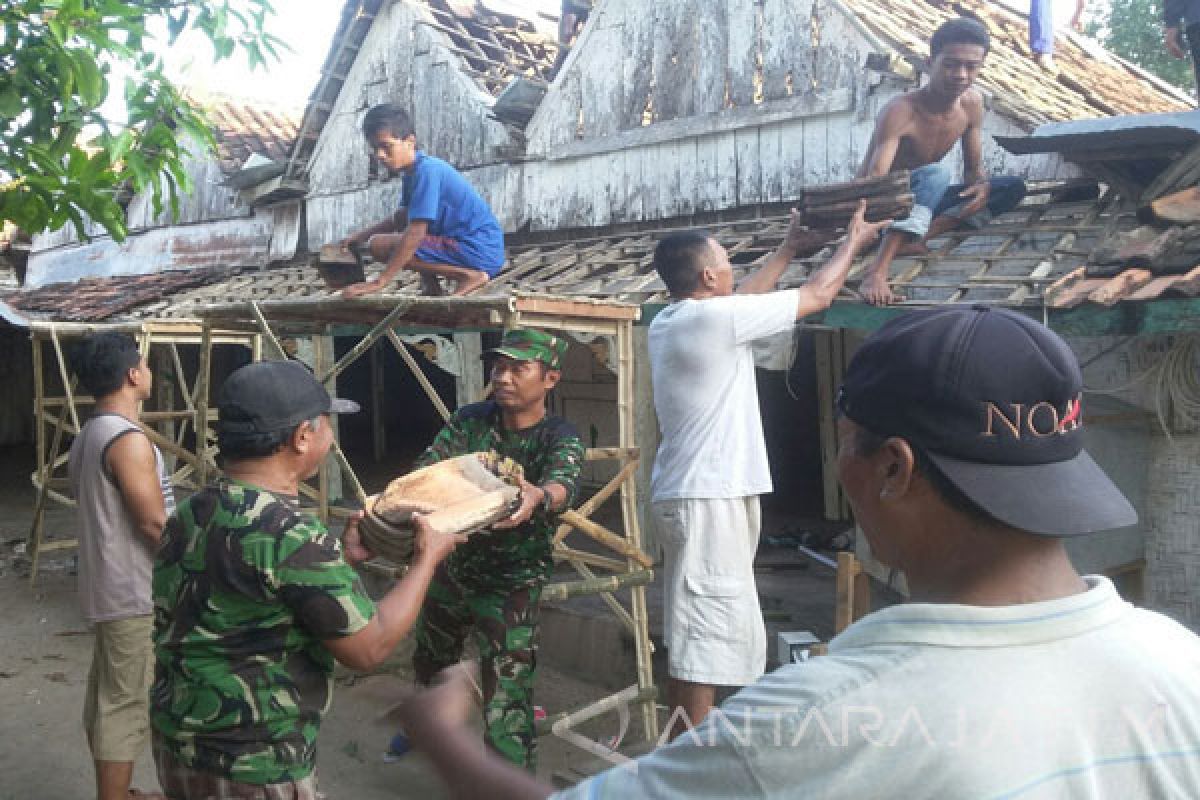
1090	82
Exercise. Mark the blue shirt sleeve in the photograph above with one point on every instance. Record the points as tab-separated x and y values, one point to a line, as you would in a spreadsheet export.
426	193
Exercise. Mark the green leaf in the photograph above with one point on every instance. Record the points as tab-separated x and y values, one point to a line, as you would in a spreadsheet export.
10	102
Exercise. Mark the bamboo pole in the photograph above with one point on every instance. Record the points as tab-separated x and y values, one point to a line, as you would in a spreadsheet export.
39	509
200	426
364	344
347	470
568	720
419	374
378	424
557	592
564	553
606	538
609	598
626	409
595	501
319	343
66	380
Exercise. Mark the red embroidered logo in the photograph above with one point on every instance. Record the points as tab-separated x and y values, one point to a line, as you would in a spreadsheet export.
1038	420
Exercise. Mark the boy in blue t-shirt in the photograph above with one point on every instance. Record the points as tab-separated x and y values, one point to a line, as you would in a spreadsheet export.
441	227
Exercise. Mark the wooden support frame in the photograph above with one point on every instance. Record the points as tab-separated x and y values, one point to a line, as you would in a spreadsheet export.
628	569
59	410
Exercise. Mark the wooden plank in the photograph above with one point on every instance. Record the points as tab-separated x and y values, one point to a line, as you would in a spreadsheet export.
1169	179
674	49
675	128
637	65
743	19
602	90
827	427
848	570
748	167
708	54
785	45
726	178
707	174
774	149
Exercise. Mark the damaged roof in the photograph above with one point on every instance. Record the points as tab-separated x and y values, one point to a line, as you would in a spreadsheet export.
244	127
495	40
1037	255
109	298
1090	81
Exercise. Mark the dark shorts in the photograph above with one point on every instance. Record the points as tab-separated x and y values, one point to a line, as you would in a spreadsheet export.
444	250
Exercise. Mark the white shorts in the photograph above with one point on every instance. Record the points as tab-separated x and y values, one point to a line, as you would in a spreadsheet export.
713	625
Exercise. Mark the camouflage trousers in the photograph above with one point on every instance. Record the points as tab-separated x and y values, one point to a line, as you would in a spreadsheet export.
504	625
180	782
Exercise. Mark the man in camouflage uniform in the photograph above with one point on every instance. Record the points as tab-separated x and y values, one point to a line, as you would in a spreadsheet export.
492	584
253	601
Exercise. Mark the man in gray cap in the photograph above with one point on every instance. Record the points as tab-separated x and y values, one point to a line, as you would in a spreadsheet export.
254	600
1008	676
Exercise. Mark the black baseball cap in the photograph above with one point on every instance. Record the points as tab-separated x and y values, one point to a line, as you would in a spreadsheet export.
996	401
269	396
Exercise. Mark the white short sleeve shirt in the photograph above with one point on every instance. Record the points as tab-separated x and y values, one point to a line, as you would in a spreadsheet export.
702	368
1081	697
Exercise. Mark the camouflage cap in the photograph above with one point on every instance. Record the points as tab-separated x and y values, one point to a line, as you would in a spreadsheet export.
526	344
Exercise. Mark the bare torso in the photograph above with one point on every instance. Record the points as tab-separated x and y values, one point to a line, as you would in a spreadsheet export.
924	135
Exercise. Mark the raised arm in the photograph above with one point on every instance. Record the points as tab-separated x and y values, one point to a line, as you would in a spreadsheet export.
799	242
818	293
132	463
885	141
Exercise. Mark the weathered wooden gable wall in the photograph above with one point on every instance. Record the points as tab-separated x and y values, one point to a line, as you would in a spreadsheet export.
676	107
663	109
406	62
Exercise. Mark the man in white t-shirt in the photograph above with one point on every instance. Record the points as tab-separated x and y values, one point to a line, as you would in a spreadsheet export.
712	461
1007	676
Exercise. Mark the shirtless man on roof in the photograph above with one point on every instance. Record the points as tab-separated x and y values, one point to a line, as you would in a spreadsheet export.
915	132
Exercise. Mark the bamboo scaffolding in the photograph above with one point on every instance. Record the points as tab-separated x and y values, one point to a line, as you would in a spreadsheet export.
609	598
67	409
557	592
559	723
606	537
630	572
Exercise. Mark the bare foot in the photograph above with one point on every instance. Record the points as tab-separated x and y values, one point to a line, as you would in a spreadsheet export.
431	286
913	248
468	285
875	290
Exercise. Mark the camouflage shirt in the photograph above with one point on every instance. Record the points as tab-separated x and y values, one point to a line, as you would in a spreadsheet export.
549	452
246	588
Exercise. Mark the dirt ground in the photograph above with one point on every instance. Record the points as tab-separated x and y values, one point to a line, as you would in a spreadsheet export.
47	649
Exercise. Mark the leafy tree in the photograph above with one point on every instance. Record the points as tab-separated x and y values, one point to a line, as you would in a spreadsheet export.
61	159
1133	29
